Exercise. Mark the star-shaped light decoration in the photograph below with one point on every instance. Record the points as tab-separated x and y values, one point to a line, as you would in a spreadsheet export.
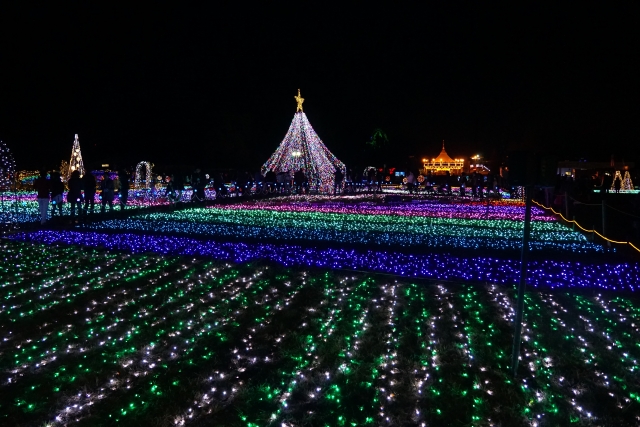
299	100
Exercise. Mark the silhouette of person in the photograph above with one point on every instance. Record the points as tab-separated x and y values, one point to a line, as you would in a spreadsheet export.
617	184
41	185
89	185
337	181
107	192
74	196
57	188
123	191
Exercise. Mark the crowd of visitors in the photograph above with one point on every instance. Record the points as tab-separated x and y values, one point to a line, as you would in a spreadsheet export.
243	183
81	193
111	189
376	179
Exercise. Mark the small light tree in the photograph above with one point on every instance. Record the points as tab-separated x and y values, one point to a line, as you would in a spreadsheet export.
75	164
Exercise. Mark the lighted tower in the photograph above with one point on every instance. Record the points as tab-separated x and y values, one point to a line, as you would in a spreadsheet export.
301	148
75	164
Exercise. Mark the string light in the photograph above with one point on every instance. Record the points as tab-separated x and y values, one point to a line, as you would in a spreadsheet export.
356	229
118	336
124	323
140	182
302	149
76	163
627	184
439	266
418	208
7	167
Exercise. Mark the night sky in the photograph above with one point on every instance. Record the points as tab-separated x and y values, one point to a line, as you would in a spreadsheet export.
212	86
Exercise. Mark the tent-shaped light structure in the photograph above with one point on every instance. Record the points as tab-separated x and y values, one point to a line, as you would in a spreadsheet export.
625	183
75	164
301	148
443	164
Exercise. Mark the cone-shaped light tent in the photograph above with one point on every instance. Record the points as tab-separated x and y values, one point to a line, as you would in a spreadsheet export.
301	148
627	184
76	163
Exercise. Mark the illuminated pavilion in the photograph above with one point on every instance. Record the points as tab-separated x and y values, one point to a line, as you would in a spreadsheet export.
442	164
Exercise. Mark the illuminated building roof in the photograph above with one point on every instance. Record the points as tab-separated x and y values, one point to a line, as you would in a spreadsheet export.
443	157
443	164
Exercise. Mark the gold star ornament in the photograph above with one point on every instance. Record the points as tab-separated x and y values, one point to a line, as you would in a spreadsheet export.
299	100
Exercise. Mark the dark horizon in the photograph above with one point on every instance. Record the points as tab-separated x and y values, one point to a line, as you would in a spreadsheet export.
213	87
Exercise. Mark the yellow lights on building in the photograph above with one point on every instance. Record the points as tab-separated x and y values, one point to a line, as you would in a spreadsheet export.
443	163
299	100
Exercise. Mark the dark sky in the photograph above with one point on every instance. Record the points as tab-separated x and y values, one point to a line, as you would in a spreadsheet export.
212	86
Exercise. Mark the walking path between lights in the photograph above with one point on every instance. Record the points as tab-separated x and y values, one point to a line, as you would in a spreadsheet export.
586	230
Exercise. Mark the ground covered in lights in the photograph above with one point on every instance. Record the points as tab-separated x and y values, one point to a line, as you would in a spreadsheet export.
472	241
120	339
328	314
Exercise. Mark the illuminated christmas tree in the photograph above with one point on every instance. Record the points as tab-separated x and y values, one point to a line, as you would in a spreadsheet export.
64	170
76	159
617	176
627	184
7	167
301	148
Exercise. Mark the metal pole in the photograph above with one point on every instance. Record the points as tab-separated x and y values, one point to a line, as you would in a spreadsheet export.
517	335
604	218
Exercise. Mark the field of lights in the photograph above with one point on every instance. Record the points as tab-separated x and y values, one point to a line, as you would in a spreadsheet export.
316	314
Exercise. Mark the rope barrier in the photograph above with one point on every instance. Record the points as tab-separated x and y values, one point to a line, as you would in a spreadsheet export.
585	204
578	202
573	221
623	212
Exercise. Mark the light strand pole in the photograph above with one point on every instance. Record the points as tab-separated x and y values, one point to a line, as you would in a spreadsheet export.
517	335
